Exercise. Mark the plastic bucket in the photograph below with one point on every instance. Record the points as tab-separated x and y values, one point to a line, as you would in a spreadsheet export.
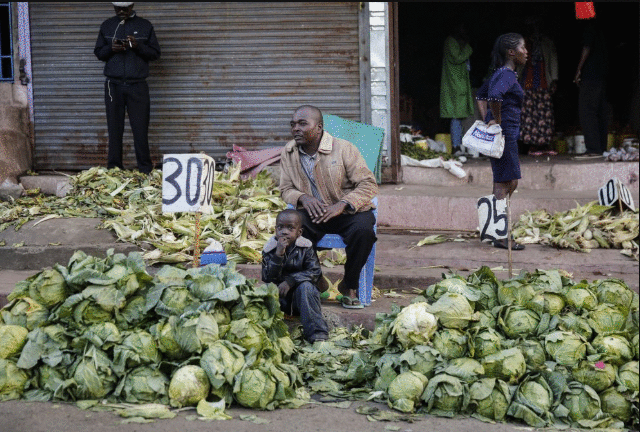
579	145
446	139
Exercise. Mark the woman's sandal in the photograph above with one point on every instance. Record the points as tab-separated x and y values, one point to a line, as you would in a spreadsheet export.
350	303
502	244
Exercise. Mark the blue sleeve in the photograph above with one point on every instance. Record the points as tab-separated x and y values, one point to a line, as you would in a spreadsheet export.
500	83
483	91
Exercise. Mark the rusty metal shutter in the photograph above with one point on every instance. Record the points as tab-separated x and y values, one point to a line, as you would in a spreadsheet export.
230	73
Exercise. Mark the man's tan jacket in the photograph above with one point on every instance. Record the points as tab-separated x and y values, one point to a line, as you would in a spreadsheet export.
340	172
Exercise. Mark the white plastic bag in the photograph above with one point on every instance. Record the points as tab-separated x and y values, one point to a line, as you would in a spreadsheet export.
487	140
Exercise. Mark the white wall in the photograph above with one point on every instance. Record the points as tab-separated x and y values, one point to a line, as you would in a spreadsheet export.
380	72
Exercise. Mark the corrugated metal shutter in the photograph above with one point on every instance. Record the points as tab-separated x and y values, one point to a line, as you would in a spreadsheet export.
230	73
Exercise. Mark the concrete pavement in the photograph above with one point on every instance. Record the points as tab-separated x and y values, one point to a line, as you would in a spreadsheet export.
402	268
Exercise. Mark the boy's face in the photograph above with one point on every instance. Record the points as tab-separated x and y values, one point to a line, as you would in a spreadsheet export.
288	226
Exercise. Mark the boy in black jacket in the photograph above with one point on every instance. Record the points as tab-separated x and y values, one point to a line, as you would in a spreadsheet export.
289	260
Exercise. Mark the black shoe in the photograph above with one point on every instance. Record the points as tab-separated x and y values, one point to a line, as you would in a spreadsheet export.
502	244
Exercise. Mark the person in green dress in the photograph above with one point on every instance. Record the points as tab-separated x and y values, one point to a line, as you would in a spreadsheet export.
456	102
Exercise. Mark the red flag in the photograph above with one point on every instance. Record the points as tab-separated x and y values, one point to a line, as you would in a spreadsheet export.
585	10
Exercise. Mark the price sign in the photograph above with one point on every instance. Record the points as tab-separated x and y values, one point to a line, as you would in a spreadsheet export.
492	215
613	191
187	183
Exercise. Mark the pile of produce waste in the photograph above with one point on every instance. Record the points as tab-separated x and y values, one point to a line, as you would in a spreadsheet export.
538	348
583	228
408	146
105	329
130	204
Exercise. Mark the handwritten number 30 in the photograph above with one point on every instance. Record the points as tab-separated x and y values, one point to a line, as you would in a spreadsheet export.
171	179
207	183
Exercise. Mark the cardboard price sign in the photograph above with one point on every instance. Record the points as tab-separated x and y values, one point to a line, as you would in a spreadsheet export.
187	183
493	218
613	192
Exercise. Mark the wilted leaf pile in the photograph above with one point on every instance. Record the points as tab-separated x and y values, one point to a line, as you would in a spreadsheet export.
106	329
131	205
583	228
539	348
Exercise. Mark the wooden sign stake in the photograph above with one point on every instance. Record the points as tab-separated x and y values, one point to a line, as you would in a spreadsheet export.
196	252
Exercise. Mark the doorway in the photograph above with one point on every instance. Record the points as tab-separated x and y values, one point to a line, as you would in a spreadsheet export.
423	27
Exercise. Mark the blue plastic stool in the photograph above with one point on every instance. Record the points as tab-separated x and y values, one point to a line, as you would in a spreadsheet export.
365	284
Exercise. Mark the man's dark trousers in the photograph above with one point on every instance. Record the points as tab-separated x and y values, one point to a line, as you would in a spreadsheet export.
592	109
357	232
134	98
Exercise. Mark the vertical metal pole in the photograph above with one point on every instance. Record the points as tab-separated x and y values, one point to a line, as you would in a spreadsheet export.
509	235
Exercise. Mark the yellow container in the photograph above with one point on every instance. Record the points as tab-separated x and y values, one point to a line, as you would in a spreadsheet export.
446	139
422	144
561	146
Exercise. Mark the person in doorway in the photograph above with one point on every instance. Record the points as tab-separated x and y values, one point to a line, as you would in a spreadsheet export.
456	102
289	260
127	43
591	77
329	182
503	95
539	81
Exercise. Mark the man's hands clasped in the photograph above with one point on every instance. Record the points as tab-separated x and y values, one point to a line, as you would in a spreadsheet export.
319	211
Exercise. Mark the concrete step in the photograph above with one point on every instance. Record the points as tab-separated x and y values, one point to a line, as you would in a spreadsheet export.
566	173
455	207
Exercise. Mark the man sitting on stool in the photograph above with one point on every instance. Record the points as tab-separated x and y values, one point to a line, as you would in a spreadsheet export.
329	182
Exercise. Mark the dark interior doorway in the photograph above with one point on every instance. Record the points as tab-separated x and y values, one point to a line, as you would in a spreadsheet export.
423	27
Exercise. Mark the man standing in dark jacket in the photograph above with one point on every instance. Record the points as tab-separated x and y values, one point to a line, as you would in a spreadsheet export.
290	261
127	43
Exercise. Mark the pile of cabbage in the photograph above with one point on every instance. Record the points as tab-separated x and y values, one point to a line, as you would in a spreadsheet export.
539	348
105	329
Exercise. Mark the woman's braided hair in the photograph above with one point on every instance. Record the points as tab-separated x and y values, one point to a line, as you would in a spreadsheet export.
504	42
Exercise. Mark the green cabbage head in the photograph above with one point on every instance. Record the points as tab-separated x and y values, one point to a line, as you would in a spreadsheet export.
254	388
405	390
628	376
532	401
188	386
582	402
451	343
144	385
533	353
614	348
484	342
453	311
508	365
518	322
615	292
607	318
616	404
12	380
421	358
489	399
446	395
414	325
599	376
566	348
12	339
582	297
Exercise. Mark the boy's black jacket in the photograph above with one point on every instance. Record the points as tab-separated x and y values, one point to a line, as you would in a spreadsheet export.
299	264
